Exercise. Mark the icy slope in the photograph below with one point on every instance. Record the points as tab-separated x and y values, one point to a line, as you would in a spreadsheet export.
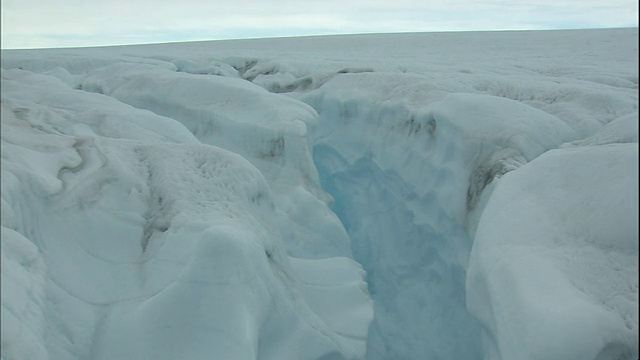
125	237
128	232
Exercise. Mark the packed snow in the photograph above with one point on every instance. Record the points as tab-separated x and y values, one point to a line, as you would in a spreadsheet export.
390	196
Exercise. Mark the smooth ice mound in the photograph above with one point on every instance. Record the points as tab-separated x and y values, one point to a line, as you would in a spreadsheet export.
398	196
559	279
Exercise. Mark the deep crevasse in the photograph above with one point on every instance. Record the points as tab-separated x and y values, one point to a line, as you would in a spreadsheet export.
407	179
411	180
413	268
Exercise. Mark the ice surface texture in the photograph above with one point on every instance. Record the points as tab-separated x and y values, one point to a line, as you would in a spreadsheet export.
223	200
156	245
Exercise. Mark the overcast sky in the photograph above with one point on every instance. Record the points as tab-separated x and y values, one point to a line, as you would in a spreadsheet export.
62	23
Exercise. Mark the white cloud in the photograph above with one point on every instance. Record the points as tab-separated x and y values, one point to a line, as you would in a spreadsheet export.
41	23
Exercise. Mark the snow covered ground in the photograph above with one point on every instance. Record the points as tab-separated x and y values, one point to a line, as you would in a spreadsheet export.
391	196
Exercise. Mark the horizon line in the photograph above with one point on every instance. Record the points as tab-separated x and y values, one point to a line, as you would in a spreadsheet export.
313	36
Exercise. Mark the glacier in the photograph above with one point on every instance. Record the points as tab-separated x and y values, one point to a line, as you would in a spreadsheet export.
386	196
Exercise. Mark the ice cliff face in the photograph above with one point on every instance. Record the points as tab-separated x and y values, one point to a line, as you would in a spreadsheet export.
208	200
